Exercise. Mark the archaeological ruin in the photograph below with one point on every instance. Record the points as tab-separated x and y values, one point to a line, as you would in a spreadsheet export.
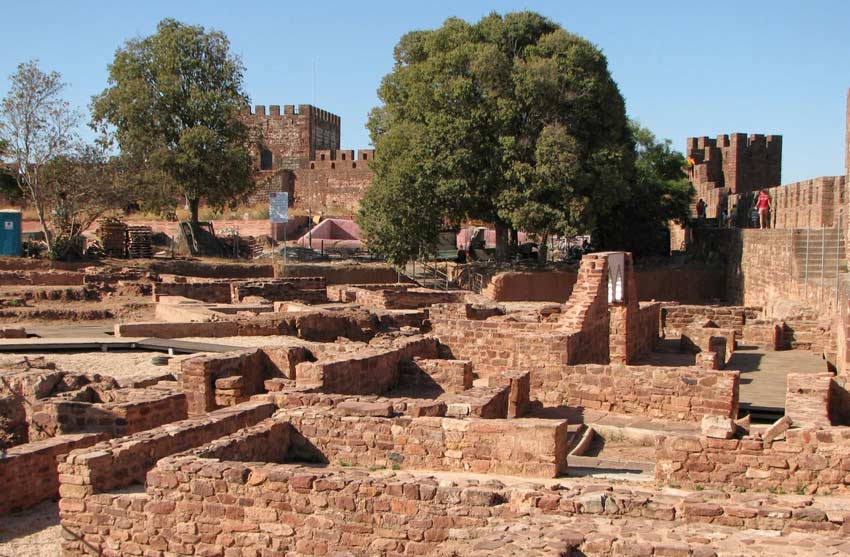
694	407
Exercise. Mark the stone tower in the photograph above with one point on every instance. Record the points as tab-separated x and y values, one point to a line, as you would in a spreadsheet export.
733	164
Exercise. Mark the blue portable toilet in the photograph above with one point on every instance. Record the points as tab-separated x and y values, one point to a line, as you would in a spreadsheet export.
10	233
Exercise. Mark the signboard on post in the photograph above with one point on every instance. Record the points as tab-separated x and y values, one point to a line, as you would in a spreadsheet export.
279	214
278	207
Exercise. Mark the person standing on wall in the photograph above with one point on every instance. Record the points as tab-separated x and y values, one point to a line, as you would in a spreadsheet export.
700	209
763	206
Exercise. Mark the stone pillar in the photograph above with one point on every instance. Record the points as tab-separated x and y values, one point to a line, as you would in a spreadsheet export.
807	399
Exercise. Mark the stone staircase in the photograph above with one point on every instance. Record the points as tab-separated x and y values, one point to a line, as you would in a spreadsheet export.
819	253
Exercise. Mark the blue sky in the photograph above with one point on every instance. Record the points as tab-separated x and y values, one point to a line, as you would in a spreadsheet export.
685	68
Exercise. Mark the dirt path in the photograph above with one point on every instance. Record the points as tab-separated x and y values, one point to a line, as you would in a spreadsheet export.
32	533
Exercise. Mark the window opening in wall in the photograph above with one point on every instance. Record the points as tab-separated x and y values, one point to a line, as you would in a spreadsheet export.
354	165
365	156
266	160
333	165
323	157
616	265
312	165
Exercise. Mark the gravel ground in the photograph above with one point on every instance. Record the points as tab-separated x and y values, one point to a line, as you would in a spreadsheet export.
32	533
120	365
252	342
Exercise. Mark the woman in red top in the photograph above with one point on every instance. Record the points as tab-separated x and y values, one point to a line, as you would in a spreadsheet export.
763	205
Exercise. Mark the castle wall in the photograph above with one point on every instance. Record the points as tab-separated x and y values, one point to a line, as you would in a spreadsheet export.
292	137
735	162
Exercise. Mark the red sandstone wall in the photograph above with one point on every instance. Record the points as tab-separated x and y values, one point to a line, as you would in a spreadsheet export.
335	190
518	447
28	472
807	459
514	286
121	462
735	162
681	285
342	274
686	393
293	136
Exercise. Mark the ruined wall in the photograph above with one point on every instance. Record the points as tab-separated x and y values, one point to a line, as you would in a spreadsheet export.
144	409
200	373
807	459
118	463
677	318
495	345
392	296
342	273
519	447
681	285
28	472
371	371
676	393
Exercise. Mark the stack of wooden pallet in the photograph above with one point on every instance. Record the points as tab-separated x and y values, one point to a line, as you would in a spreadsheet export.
139	242
112	232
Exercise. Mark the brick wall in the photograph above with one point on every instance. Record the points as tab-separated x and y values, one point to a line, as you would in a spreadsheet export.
144	409
681	285
118	463
392	296
272	508
371	371
677	318
451	376
28	472
200	373
518	447
677	393
814	203
336	187
807	459
309	290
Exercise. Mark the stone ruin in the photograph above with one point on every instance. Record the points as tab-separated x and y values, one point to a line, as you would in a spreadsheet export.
398	420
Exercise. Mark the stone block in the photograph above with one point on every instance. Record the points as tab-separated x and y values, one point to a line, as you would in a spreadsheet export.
373	409
718	427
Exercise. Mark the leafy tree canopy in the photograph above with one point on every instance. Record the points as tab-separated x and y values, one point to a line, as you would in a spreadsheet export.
660	193
172	102
511	120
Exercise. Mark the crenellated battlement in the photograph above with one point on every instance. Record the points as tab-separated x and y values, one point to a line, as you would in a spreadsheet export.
333	159
305	110
737	162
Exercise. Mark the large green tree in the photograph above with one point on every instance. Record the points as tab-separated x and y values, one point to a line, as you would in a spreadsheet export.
511	120
659	194
173	103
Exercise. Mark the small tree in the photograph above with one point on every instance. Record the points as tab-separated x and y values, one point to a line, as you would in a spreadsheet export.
173	103
79	188
38	126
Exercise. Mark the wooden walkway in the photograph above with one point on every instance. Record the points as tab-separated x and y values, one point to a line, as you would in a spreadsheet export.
763	375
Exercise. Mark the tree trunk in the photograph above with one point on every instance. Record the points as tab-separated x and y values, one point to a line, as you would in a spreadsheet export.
543	248
501	241
194	206
514	238
48	239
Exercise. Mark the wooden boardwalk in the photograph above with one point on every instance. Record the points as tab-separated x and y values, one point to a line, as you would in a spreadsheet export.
763	375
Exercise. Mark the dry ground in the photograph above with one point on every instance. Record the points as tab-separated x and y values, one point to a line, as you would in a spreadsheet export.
32	533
